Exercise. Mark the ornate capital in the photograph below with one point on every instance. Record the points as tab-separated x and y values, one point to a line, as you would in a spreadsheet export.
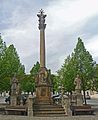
41	17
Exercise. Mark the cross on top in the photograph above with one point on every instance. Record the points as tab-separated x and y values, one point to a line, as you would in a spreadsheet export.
41	11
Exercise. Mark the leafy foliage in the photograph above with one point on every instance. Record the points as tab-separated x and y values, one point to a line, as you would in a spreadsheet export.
35	69
11	62
28	83
95	80
55	82
9	65
80	62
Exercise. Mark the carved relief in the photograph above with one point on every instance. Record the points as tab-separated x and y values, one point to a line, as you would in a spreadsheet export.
43	92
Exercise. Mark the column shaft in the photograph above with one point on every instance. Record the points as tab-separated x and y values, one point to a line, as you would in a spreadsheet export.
42	48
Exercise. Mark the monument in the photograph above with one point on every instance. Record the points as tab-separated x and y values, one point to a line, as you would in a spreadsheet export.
43	82
77	106
16	106
15	91
43	102
77	98
77	83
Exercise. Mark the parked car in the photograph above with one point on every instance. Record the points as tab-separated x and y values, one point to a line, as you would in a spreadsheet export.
87	97
22	97
56	96
7	99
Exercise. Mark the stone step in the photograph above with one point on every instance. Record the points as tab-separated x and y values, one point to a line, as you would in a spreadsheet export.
50	115
50	112
47	110
47	106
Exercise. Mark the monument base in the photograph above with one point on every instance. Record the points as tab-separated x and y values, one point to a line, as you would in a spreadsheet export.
43	95
79	99
13	100
43	87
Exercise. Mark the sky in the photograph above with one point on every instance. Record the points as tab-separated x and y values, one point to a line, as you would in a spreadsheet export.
66	21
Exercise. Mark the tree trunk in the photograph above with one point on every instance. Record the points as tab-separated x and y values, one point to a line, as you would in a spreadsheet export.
84	97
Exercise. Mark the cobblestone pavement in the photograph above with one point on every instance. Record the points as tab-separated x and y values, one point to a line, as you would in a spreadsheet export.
10	117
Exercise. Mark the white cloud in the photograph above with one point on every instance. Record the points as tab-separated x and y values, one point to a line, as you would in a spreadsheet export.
92	46
66	13
64	18
22	35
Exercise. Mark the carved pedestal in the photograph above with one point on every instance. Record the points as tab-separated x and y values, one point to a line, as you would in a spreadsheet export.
79	100
13	100
43	87
43	95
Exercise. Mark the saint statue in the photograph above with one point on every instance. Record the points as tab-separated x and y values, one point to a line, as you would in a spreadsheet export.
14	86
77	83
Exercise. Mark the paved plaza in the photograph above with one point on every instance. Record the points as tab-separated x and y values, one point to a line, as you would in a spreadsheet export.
48	118
93	101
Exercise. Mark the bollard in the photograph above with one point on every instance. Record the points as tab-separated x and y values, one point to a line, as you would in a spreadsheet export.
66	105
30	105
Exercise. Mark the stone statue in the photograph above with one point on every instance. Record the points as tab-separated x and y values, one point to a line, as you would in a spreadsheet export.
14	86
77	83
77	98
43	76
41	16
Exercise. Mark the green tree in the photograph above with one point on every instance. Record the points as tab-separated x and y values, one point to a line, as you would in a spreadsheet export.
3	85
11	62
85	65
67	74
2	52
55	82
95	80
28	82
2	47
80	62
34	71
9	65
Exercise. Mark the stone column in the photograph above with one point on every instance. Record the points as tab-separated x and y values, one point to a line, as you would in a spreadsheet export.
42	27
43	82
42	48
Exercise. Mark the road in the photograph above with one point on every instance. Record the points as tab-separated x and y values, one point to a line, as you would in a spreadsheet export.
2	99
93	102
